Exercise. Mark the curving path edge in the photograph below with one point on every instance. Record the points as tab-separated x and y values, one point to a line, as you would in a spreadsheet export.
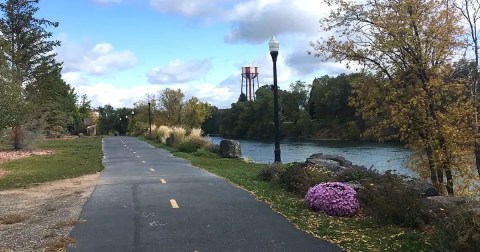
148	200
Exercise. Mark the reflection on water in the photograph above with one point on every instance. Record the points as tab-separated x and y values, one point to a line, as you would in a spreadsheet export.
382	156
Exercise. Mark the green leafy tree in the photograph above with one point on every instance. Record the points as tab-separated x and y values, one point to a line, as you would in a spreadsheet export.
294	102
139	120
407	46
242	98
195	112
120	124
107	116
82	117
329	99
171	104
211	125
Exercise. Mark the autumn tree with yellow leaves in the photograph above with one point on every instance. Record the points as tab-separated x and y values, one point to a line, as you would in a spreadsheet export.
408	89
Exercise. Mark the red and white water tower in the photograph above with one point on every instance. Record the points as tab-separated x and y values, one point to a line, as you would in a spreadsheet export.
249	75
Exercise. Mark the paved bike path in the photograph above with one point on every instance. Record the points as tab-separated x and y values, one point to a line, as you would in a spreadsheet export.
148	200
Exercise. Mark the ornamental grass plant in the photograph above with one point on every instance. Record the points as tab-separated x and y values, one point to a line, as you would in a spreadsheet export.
177	135
332	198
164	133
193	142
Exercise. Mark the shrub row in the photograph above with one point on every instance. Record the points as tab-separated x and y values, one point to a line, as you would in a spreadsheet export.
387	198
180	139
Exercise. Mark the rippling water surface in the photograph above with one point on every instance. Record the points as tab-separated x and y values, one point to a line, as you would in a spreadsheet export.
382	156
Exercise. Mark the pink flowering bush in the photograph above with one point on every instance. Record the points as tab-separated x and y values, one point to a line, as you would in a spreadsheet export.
332	198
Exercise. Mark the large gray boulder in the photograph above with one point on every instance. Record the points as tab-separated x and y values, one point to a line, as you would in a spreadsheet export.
333	163
424	188
230	149
440	203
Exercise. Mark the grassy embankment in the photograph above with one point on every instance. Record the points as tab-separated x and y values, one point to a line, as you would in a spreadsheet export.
353	234
71	158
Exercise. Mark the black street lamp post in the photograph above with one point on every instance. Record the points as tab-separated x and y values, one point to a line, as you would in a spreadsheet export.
149	120
106	123
133	113
274	46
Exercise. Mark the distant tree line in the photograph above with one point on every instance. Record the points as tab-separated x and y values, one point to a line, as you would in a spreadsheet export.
317	110
34	99
169	108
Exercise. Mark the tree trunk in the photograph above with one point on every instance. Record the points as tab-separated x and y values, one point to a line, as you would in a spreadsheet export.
477	157
448	173
17	131
431	166
440	176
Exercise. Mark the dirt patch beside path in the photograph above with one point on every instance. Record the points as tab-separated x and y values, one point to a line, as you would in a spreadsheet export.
40	218
11	154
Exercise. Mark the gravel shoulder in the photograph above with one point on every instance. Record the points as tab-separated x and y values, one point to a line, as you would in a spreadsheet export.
41	217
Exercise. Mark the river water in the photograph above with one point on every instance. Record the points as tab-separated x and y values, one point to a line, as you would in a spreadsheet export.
382	156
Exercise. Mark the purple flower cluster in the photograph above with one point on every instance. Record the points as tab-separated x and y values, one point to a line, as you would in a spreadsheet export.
332	198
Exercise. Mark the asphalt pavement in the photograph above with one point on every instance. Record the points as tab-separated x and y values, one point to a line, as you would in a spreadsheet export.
148	200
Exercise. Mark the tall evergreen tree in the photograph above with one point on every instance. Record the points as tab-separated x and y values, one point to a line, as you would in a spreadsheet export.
26	41
12	104
52	99
26	46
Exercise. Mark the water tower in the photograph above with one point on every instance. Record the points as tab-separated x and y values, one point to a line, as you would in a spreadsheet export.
249	75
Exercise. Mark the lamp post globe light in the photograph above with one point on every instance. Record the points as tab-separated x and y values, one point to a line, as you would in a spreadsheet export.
274	46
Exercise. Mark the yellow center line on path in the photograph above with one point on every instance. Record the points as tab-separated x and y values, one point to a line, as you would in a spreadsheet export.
163	181
138	156
151	169
143	162
174	203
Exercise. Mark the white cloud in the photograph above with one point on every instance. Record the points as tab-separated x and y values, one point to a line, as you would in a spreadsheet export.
105	93
204	9
256	20
304	64
265	65
252	21
96	59
215	95
75	79
177	71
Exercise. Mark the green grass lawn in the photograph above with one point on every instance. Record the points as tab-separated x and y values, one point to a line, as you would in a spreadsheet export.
353	234
71	158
